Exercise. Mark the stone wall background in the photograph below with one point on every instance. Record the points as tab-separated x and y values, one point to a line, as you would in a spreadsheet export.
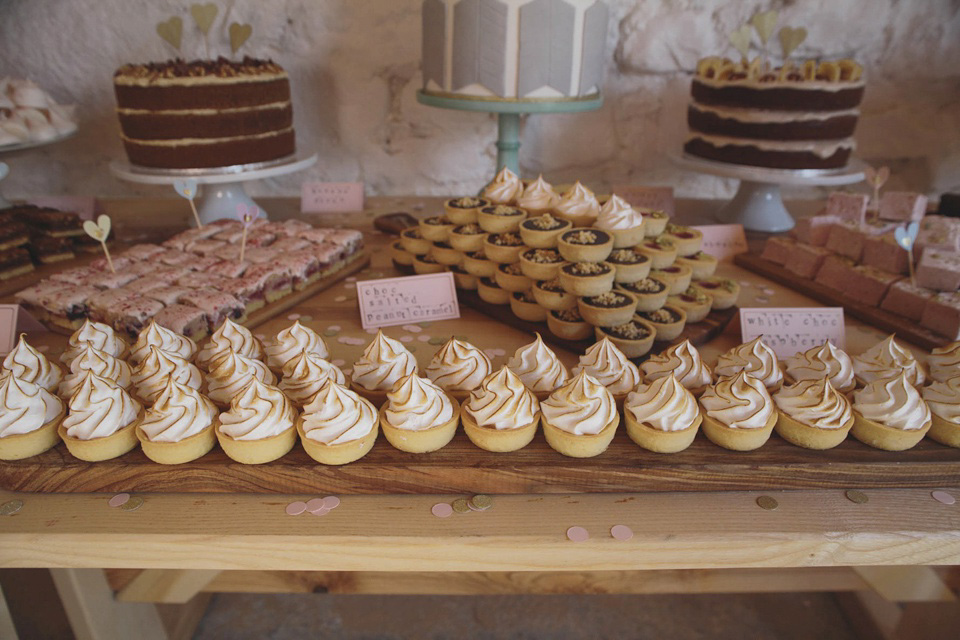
355	69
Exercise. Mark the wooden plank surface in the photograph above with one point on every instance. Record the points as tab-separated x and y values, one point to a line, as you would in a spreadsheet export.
891	322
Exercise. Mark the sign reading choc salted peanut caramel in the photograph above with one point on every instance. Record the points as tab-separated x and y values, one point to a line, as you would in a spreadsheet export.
393	301
788	330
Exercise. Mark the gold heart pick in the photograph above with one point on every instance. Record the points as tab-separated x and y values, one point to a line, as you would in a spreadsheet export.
764	23
741	40
93	230
239	33
791	38
204	15
171	31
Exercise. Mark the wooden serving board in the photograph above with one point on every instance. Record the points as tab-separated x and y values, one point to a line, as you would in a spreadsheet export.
460	467
905	328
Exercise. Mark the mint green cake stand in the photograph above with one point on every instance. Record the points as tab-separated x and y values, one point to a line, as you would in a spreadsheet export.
509	112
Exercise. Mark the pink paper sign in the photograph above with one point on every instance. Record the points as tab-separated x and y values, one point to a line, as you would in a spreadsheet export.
848	206
723	241
393	301
657	198
15	320
84	206
902	205
790	330
331	197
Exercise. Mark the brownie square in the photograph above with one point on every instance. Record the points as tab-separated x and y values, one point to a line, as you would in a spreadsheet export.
883	252
906	299
777	249
47	249
868	285
53	222
183	319
942	315
835	272
13	234
805	260
15	262
846	239
939	270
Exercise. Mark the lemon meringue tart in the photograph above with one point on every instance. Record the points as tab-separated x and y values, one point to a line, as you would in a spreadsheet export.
383	363
682	361
824	361
738	412
813	414
889	414
887	359
458	368
27	364
29	421
580	418
337	426
180	426
419	416
102	420
259	426
158	336
538	368
662	416
502	414
943	398
305	375
610	367
290	343
229	336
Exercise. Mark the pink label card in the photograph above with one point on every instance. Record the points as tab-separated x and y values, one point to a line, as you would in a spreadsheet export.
657	198
84	206
331	197
790	330
902	205
848	206
15	320
393	301
723	241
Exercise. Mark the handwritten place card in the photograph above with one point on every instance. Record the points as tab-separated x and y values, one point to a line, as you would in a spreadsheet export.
392	301
84	206
331	197
723	241
902	205
658	198
848	206
15	320
788	330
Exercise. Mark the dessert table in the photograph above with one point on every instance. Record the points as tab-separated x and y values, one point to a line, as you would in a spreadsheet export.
110	566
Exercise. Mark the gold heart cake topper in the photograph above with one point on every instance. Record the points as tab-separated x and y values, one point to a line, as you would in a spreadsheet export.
99	230
239	33
791	38
171	31
204	15
741	39
764	23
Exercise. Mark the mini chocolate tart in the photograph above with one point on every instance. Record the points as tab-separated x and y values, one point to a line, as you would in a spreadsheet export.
509	277
551	295
608	309
462	279
661	252
464	210
694	302
585	244
443	253
686	239
540	264
490	291
724	291
413	242
634	338
427	264
400	255
630	264
668	320
503	247
476	264
654	221
651	294
703	265
569	324
525	307
543	232
586	278
436	228
467	238
500	218
676	276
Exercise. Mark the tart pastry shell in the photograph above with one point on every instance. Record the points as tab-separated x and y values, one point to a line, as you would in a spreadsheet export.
737	439
337	454
186	450
423	440
661	441
499	440
880	436
541	238
580	446
807	436
493	223
944	431
258	451
529	311
632	348
99	449
26	445
569	330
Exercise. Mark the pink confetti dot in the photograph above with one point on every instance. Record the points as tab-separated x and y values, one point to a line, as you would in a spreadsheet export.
621	532
423	338
314	504
490	353
340	299
334	327
577	534
412	328
43	348
499	352
372	331
322	511
442	510
119	500
943	497
349	285
345	340
332	502
261	336
296	508
352	279
338	362
406	338
348	372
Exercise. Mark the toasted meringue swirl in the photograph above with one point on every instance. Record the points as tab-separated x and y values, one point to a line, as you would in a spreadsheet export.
505	188
618	215
740	401
259	411
165	340
943	398
664	404
755	358
815	403
887	359
458	366
538	196
232	374
582	406
306	374
179	412
681	360
293	341
99	336
607	364
417	403
383	363
502	402
103	364
25	406
229	336
944	362
578	201
825	361
538	366
157	368
29	365
337	415
99	409
893	402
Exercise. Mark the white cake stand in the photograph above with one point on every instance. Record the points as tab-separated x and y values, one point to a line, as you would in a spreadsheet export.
11	149
757	204
224	186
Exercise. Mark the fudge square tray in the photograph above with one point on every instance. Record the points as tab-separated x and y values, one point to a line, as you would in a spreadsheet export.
460	467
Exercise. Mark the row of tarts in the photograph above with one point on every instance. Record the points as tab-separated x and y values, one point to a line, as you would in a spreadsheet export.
178	401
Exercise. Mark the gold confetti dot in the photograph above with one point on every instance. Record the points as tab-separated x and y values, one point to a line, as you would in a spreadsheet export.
11	507
481	502
858	497
436	340
132	504
768	503
460	505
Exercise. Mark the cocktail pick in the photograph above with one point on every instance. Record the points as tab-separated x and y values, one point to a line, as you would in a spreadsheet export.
188	189
905	237
171	31
204	15
246	215
239	33
99	230
876	178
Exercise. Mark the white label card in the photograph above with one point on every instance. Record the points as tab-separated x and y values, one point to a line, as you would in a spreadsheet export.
15	320
331	197
789	330
393	301
723	241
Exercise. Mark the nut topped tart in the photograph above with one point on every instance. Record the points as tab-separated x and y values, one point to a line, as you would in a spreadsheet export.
662	416
338	426
180	425
463	210
755	358
538	368
694	302
467	237
458	368
102	420
232	373
503	248
115	371
152	374
630	264
587	278
501	414
538	197
738	413
291	342
944	362
607	309
27	364
610	367
569	324
722	291
825	361
889	414
500	218
943	398
436	228
668	320
542	231
541	264
662	252
505	188
419	416
29	421
98	335
551	295
651	294
578	206
813	414
413	242
887	359
164	339
655	221
585	244
259	426
305	375
702	264
580	418
633	338
383	363
683	362
229	336
624	222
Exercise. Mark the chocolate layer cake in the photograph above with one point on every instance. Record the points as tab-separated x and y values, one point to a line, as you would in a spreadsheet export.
205	113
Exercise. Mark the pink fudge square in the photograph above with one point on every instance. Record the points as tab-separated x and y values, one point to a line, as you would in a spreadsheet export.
906	299
806	260
868	285
835	272
942	315
777	249
883	252
815	230
902	205
850	207
939	270
846	239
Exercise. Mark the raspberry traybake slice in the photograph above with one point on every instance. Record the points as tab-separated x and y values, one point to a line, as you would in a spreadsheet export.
216	304
183	319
